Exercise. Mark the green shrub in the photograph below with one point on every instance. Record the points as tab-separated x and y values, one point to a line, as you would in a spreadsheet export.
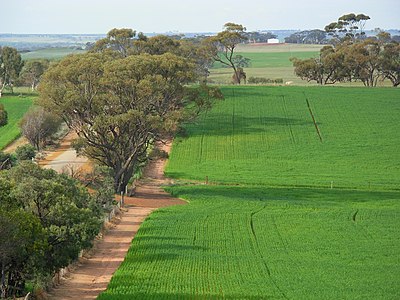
3	116
6	161
263	80
25	152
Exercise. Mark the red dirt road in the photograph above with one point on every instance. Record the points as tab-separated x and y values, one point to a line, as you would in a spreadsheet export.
92	276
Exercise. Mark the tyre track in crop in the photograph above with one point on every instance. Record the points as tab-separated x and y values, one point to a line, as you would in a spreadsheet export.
260	254
355	220
288	123
233	125
313	118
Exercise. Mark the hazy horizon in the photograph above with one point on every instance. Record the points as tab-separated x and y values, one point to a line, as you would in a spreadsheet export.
98	17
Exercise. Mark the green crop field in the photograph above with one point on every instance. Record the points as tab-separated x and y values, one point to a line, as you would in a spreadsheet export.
285	215
268	61
16	107
50	53
359	127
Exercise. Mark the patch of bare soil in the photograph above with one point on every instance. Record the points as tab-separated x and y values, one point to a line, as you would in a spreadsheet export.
93	274
15	144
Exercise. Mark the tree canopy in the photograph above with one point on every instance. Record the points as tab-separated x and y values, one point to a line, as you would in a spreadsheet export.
119	106
348	26
222	47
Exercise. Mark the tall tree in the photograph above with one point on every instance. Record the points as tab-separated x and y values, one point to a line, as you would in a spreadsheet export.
10	67
118	40
32	71
119	107
38	125
350	26
222	46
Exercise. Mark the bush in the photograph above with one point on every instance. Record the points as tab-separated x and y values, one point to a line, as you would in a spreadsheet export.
25	152
262	80
6	161
3	116
38	126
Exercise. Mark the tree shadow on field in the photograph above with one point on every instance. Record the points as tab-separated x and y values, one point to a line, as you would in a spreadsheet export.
114	294
223	124
287	194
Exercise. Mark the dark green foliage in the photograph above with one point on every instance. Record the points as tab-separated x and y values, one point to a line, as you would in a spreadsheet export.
25	152
3	115
262	80
22	247
100	180
61	218
6	160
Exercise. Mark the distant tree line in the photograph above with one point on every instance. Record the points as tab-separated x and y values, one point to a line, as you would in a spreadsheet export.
347	26
315	36
353	56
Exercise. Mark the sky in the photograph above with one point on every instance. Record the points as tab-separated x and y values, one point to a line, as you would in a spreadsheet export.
99	16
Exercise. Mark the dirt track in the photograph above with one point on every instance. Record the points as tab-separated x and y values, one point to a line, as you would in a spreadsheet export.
91	277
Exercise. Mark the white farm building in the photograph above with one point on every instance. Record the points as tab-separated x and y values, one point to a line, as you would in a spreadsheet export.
273	41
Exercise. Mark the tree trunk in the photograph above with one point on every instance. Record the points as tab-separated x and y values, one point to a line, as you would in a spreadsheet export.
121	178
3	280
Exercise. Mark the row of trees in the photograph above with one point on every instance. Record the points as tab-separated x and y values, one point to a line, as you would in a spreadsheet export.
353	57
315	36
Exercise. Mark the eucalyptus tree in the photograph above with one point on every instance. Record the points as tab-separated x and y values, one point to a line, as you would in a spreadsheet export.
10	67
350	26
32	71
390	63
222	47
120	106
